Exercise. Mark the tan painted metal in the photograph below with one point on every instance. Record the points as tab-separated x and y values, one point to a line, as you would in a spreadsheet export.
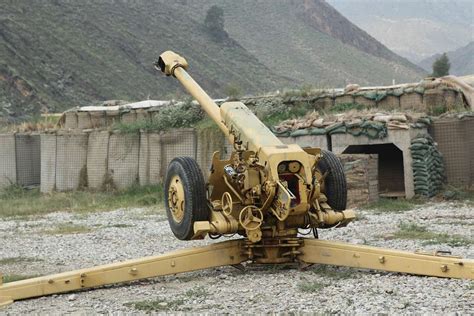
263	179
233	252
176	198
215	255
360	256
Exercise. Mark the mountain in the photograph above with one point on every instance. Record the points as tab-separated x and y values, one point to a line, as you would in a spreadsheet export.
462	61
58	54
413	29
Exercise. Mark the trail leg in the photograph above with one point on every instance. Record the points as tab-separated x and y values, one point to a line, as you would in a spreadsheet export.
215	255
360	256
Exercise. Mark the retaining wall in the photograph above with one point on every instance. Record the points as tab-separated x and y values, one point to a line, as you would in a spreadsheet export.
400	138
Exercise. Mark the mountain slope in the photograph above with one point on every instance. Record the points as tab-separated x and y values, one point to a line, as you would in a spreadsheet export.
462	61
297	39
413	29
59	54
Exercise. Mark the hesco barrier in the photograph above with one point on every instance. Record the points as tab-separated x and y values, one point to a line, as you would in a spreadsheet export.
65	161
103	159
20	161
455	138
8	160
28	160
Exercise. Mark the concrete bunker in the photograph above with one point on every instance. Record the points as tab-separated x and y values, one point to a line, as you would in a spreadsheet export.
397	143
390	167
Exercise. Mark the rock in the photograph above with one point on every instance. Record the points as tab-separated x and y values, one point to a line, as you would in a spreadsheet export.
72	297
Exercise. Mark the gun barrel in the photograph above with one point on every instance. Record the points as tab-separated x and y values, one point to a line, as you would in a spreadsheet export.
173	64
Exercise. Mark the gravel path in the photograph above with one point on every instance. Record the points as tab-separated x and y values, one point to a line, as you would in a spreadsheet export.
124	234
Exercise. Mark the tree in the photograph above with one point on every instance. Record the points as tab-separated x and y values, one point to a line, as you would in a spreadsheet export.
441	66
214	22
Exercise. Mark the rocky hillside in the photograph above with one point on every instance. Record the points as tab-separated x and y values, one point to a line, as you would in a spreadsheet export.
462	61
413	29
58	54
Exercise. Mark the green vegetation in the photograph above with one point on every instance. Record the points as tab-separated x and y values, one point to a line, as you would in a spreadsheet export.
414	231
16	277
183	114
16	201
233	91
67	229
459	195
84	54
160	304
311	287
273	115
198	292
441	66
14	260
438	110
384	205
156	305
335	273
214	23
344	107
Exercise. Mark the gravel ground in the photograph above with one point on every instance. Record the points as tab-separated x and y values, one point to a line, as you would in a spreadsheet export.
124	234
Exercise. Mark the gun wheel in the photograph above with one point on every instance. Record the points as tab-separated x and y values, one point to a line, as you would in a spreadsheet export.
185	196
335	186
176	198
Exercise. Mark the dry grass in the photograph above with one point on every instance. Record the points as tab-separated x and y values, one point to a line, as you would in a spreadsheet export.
18	202
384	205
67	229
414	231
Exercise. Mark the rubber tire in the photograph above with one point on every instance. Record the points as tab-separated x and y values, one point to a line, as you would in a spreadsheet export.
335	182
195	203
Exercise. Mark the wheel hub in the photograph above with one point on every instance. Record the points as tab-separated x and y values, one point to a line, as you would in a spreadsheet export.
176	199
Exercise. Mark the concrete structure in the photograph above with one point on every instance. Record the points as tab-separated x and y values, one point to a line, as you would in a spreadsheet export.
393	173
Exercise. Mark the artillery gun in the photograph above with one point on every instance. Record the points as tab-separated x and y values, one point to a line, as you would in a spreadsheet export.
266	191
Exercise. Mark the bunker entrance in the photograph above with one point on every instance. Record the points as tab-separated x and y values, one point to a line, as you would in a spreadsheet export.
390	167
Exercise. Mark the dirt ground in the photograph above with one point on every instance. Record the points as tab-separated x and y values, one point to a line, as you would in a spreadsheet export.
64	241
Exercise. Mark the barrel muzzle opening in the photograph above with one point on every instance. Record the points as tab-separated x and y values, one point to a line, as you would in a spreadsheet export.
169	61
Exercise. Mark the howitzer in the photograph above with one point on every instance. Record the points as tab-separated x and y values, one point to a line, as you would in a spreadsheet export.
266	191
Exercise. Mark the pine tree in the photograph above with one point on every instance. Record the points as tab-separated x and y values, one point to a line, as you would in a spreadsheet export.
214	23
441	66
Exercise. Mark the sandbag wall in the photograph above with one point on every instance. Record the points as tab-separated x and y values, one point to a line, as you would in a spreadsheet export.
428	166
425	97
19	159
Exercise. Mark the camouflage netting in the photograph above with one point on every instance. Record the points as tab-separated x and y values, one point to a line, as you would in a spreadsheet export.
374	125
428	167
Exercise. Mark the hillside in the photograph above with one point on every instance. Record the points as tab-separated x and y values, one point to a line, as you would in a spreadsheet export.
413	29
462	61
59	54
